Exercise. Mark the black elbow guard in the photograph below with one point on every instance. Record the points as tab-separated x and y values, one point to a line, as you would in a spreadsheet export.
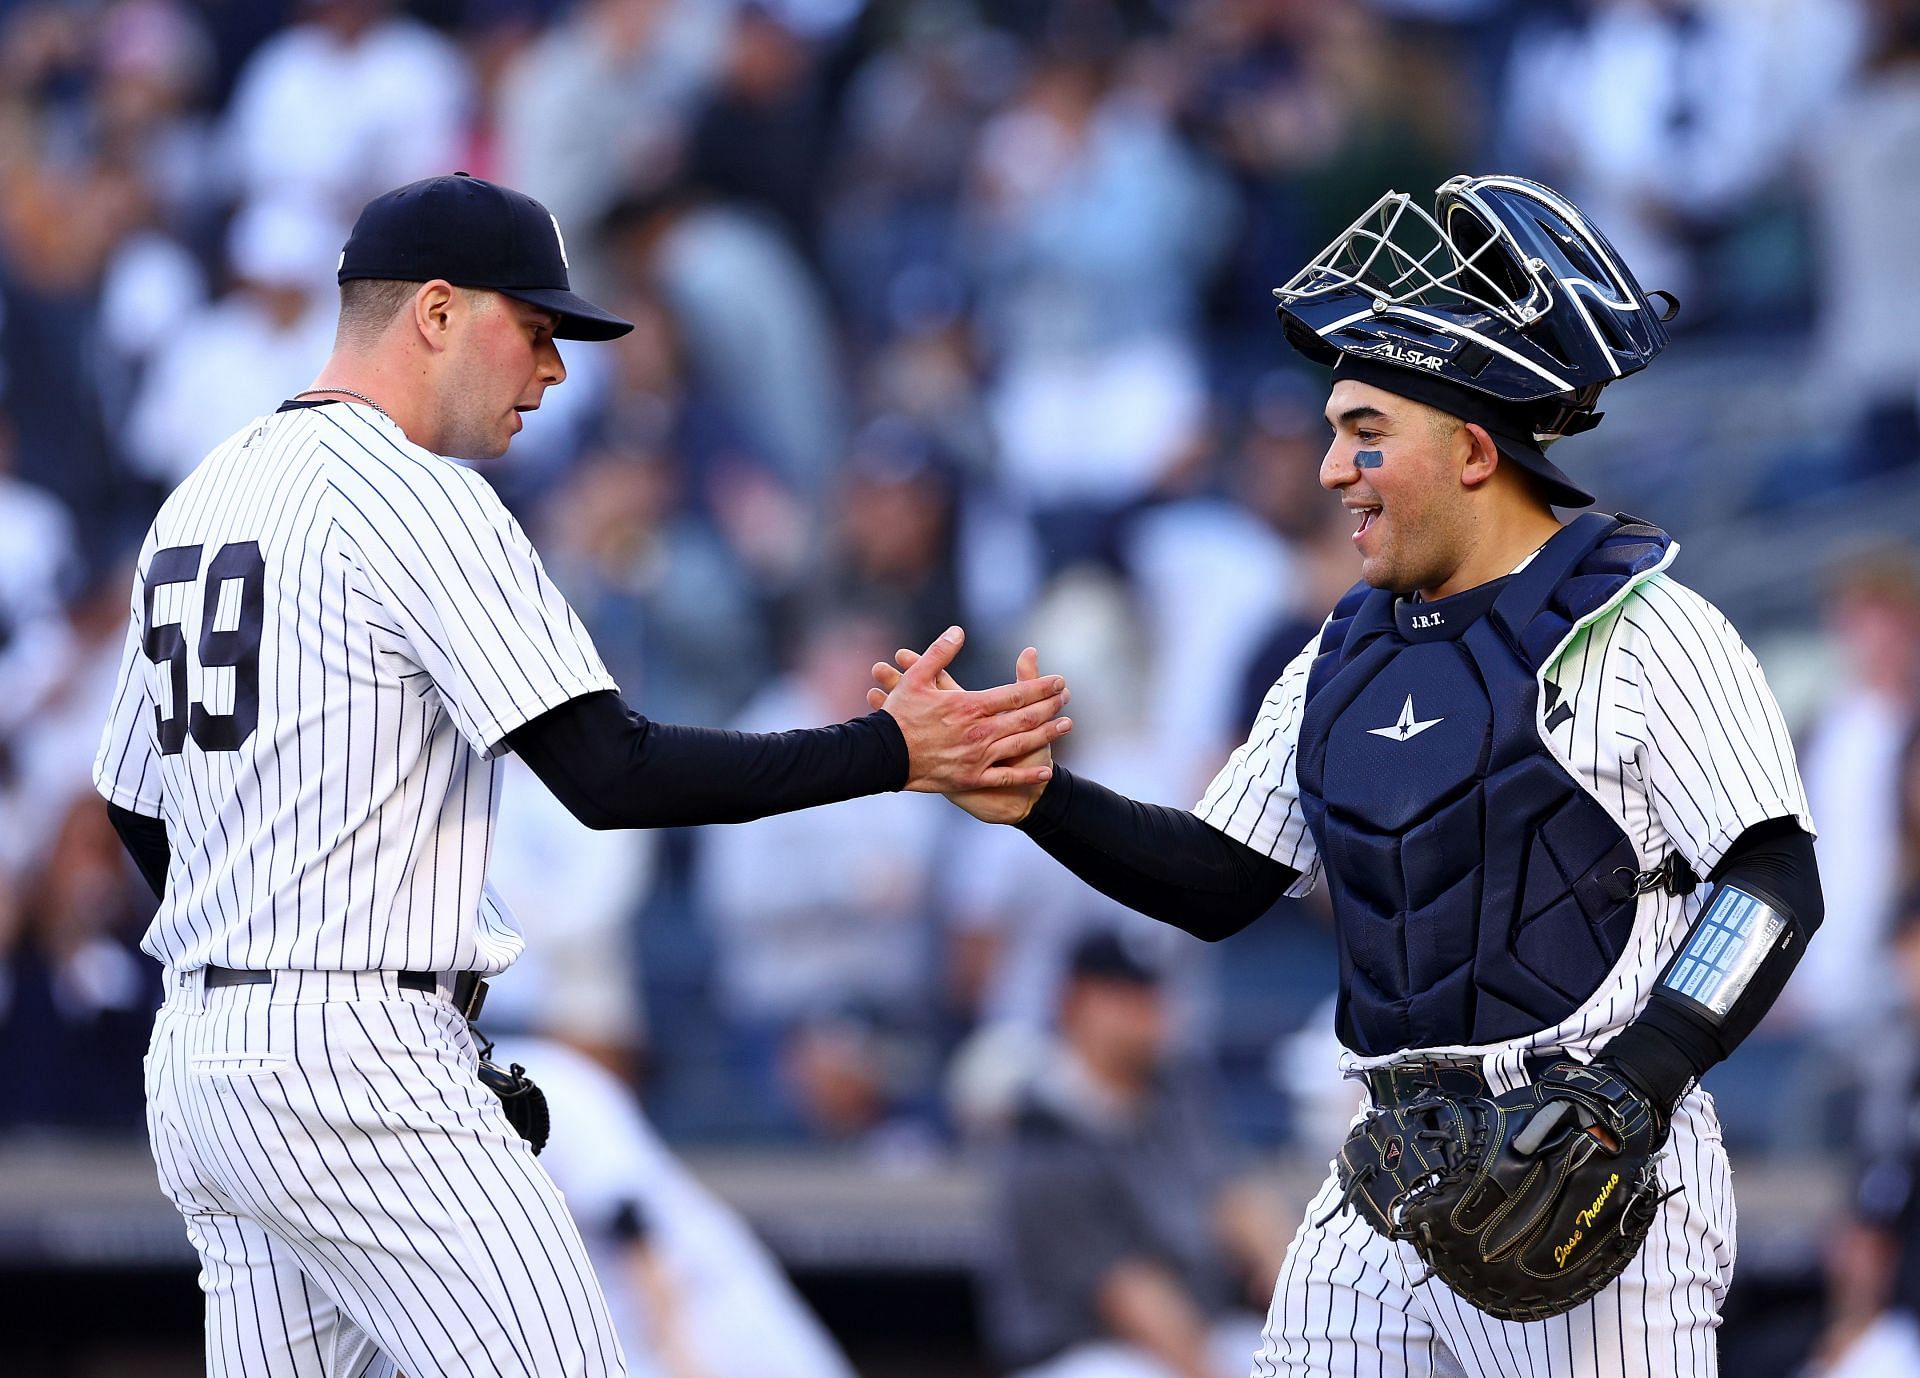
1736	960
1733	963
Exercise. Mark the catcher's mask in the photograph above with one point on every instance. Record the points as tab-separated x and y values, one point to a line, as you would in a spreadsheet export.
1504	290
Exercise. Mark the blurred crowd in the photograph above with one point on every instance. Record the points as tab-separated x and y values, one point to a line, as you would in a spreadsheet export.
948	311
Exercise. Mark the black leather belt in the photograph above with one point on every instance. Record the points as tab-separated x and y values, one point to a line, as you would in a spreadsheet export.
1460	1078
469	990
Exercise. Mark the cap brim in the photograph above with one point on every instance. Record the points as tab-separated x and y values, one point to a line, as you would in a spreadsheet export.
580	319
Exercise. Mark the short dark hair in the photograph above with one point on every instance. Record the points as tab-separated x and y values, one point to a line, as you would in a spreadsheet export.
1106	954
368	305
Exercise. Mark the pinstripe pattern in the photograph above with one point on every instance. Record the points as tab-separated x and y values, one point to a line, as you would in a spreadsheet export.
349	1184
1256	796
332	632
264	1316
1345	1305
408	627
1657	709
1661	713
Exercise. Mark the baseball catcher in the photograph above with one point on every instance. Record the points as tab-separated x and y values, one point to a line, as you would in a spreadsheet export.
1553	800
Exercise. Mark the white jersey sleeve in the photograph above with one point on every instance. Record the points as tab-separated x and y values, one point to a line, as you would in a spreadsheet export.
1255	798
1701	725
126	771
467	593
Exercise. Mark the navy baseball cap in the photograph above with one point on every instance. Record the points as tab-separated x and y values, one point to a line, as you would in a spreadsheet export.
474	233
1505	422
1106	955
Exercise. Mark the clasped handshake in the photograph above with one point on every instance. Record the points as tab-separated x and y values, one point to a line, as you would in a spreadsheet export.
988	750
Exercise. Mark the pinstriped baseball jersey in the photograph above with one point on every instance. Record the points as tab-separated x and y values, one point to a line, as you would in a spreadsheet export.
1658	712
332	632
1255	798
1655	707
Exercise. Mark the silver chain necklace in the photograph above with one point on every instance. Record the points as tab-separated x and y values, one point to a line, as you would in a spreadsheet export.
347	392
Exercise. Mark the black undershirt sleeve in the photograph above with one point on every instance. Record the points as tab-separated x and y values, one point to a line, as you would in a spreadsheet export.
146	842
1670	1042
1165	862
613	768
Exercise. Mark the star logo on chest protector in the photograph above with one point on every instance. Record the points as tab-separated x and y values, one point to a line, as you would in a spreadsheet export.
1406	727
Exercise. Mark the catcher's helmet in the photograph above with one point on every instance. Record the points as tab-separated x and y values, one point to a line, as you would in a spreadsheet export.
1505	290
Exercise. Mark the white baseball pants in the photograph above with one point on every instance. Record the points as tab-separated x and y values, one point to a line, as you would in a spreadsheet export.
357	1198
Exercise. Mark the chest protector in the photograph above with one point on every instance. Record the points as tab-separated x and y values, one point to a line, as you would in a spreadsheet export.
1479	893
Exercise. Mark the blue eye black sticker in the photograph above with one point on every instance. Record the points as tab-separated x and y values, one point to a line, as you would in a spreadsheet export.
1369	459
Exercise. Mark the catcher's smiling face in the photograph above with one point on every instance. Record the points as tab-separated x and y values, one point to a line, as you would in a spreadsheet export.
1407	472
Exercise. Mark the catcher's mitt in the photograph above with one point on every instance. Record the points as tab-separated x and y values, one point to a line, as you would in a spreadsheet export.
524	1102
1526	1204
